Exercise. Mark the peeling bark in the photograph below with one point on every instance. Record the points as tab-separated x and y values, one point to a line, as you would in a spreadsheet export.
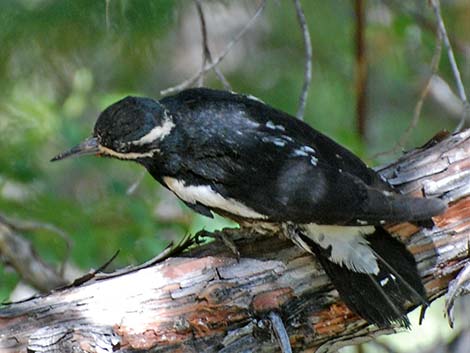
207	301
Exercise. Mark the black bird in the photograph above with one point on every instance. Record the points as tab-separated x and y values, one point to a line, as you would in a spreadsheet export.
236	156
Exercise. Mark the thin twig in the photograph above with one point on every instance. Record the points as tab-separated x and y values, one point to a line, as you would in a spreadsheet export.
436	58
308	59
410	9
108	23
171	250
92	274
205	46
450	53
190	81
361	68
458	287
280	332
206	53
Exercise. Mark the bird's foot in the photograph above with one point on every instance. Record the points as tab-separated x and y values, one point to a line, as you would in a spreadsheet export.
224	236
228	242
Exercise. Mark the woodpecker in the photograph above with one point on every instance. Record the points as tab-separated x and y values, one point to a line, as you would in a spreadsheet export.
231	154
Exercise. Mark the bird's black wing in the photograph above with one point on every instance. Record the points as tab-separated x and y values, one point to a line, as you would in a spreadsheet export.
278	166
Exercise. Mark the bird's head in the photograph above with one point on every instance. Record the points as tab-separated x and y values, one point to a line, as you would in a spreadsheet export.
131	129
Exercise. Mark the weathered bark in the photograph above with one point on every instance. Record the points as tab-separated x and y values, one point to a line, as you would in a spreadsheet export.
207	301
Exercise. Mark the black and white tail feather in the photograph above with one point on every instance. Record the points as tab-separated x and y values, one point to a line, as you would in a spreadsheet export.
374	273
275	169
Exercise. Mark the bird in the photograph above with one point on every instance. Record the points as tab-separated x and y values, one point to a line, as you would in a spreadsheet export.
233	155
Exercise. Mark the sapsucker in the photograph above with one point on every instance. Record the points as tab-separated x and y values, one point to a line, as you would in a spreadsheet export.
236	156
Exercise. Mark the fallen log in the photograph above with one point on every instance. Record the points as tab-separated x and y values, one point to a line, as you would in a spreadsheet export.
207	300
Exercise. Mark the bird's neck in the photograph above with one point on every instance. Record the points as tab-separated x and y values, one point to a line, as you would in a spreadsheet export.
167	161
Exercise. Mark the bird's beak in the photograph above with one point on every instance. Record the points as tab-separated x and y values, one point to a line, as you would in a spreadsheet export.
89	146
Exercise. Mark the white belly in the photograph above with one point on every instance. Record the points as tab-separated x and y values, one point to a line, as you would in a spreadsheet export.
206	196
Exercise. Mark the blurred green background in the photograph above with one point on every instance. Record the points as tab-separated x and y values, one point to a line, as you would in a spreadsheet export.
62	62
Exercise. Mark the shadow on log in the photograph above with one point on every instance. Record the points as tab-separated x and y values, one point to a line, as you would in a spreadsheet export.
205	300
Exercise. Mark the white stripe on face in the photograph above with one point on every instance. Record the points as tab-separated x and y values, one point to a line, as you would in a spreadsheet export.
131	155
157	133
208	197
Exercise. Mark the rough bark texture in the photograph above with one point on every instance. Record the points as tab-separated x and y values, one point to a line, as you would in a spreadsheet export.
207	301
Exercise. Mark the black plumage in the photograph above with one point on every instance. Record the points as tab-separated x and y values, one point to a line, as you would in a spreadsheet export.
234	155
259	166
378	298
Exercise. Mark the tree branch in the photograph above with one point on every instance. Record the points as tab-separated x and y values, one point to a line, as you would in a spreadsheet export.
29	225
208	301
280	332
209	66
308	59
206	53
361	68
107	18
455	69
19	253
434	67
419	104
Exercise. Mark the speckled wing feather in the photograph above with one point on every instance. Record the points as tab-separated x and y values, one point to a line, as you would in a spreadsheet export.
281	167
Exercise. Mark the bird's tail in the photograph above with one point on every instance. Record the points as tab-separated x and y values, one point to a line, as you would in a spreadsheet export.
382	297
398	208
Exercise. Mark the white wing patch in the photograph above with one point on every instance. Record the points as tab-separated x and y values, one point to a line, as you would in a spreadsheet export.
272	126
208	197
157	133
306	151
348	247
279	142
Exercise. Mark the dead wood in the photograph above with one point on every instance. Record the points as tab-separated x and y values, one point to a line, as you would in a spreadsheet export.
206	301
